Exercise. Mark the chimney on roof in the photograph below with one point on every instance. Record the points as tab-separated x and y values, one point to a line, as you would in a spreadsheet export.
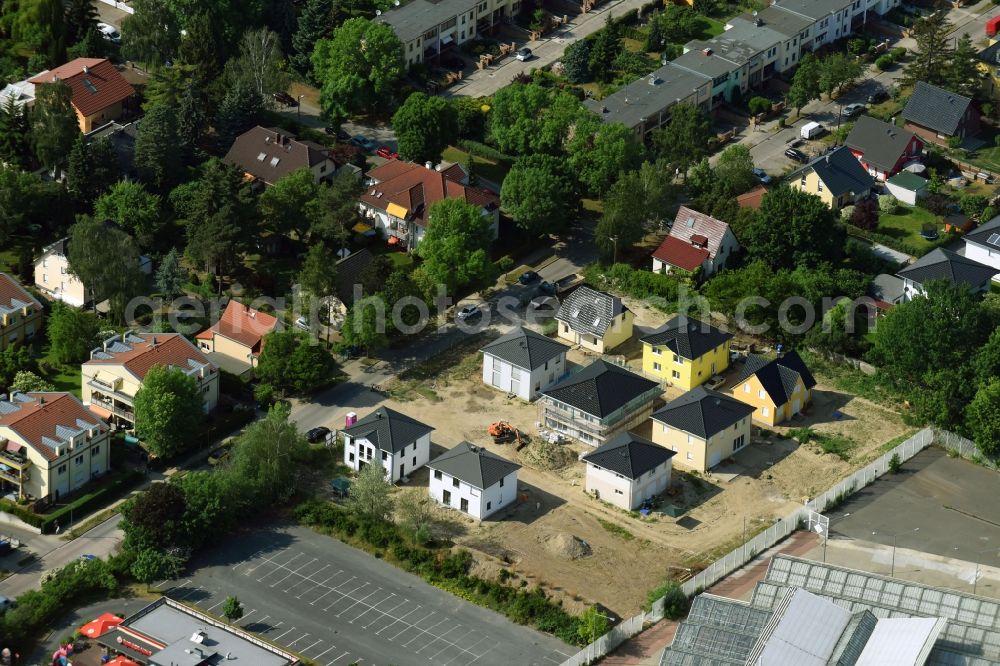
54	78
86	69
428	165
152	342
437	167
41	400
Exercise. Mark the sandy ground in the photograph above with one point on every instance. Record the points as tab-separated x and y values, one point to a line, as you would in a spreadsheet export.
559	537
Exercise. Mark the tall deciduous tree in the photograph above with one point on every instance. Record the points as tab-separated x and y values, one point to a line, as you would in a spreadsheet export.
283	205
362	327
232	609
54	126
319	271
260	63
805	83
13	360
334	210
315	22
456	247
41	26
157	153
932	59
15	132
794	228
600	151
106	260
685	138
734	170
169	410
516	115
267	453
71	333
540	194
132	207
357	68
425	126
151	35
369	496
983	417
290	361
837	71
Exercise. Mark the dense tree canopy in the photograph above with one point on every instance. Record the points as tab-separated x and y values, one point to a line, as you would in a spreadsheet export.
794	228
684	140
599	152
132	207
169	410
424	127
106	260
540	194
291	361
152	35
157	153
72	333
456	247
54	126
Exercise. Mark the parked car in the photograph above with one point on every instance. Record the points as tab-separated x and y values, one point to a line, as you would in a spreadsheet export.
285	98
109	32
6	604
338	132
387	153
852	110
523	53
302	323
797	155
547	288
528	277
318	434
468	312
878	97
762	175
218	455
363	142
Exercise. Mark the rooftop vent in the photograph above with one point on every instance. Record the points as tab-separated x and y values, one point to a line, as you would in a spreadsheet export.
707	52
86	69
198	637
428	165
653	80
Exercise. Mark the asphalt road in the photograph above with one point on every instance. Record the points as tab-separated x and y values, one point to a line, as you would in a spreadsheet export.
334	604
936	504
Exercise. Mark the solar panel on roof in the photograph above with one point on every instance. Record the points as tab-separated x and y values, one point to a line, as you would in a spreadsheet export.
91	88
994	239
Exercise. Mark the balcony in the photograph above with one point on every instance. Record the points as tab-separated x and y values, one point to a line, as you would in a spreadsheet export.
119	410
107	392
14	476
13	460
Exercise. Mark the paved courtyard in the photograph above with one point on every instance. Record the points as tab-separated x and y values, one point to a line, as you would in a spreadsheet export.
336	605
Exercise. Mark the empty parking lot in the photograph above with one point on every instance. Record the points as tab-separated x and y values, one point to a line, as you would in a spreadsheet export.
337	605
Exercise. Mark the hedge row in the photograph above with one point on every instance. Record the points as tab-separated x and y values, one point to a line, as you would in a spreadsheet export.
446	569
482	150
104	494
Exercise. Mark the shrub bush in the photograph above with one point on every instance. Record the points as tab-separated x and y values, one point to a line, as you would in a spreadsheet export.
482	150
884	62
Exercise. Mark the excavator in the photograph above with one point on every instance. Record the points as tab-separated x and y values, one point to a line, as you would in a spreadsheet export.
503	432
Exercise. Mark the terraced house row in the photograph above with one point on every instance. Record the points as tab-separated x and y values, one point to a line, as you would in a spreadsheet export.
754	47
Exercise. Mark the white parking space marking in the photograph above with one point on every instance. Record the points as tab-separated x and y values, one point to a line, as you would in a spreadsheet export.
359	601
304	650
332	647
278	567
278	638
252	611
249	559
357	661
218	603
298	639
292	573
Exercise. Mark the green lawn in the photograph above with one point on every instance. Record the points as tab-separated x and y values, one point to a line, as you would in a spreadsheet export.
709	27
905	225
488	169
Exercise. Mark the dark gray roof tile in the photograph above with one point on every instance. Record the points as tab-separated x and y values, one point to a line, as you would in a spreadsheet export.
629	455
881	143
601	388
474	465
777	376
942	264
840	172
703	412
936	108
388	429
523	348
689	338
587	310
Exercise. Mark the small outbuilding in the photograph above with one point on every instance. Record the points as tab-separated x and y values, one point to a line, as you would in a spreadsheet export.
907	187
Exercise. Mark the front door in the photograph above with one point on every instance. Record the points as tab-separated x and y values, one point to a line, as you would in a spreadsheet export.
401	470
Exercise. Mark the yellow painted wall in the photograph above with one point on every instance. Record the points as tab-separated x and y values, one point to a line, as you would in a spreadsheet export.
232	349
14	327
812	185
991	81
775	413
694	452
692	372
617	334
102	117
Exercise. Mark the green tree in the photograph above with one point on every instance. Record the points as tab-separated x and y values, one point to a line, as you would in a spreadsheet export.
71	333
931	61
15	133
576	61
54	127
319	271
92	168
132	207
425	126
369	496
291	362
239	111
13	360
157	153
456	247
805	83
562	118
40	26
260	65
838	71
622	223
362	327
267	456
154	518
605	48
593	625
734	170
516	115
152	35
334	210
357	68
963	74
169	410
232	609
284	205
983	417
192	123
987	359
80	19
794	228
106	260
315	22
201	47
599	152
540	194
151	565
170	275
684	140
26	200
26	381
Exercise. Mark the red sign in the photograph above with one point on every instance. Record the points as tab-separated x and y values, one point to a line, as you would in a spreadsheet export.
134	646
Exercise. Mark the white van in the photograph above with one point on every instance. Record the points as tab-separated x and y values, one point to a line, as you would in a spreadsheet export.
811	130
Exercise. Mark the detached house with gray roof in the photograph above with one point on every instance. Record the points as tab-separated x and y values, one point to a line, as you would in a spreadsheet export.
473	480
942	264
776	389
596	403
523	363
627	471
836	177
883	149
704	427
399	443
594	320
937	114
983	245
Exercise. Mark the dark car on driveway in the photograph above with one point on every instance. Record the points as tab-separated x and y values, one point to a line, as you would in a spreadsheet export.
797	155
338	132
878	97
317	434
363	142
528	277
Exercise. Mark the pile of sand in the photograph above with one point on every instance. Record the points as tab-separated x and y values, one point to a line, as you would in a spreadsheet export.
566	546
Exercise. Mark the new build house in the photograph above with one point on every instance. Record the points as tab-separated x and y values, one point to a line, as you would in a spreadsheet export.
596	403
983	245
704	427
883	149
473	480
777	389
836	177
595	320
50	445
399	443
627	471
20	313
116	369
942	264
685	352
523	363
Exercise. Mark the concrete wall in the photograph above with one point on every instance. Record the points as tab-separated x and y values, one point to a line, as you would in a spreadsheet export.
624	492
482	503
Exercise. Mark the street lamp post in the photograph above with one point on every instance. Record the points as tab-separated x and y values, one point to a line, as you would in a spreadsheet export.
298	109
892	565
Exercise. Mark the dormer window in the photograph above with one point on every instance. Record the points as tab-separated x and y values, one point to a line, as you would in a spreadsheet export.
261	156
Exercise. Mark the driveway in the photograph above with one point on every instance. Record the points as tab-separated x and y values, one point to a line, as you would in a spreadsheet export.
334	604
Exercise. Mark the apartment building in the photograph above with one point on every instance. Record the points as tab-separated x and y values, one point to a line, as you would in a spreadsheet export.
55	279
20	313
429	28
115	372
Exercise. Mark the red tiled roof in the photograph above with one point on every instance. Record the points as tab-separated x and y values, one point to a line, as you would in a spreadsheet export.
97	88
753	198
691	225
242	324
416	188
169	349
39	418
11	289
680	253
